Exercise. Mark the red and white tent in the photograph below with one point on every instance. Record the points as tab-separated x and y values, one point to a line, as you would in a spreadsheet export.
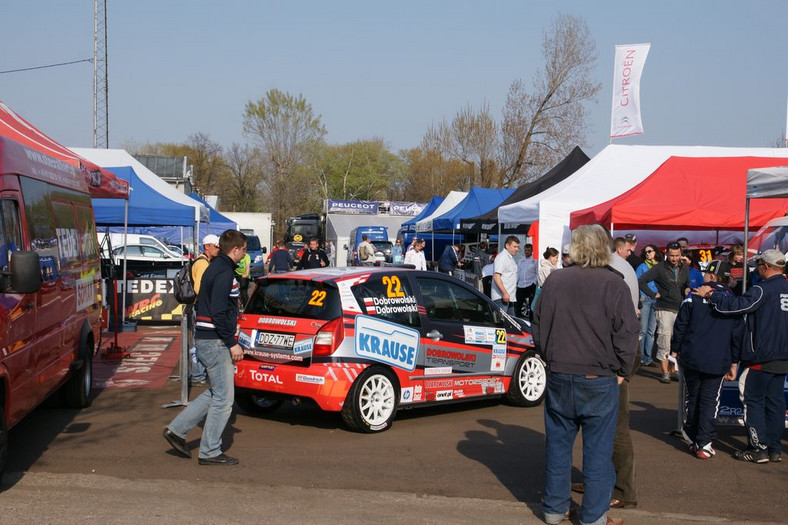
688	193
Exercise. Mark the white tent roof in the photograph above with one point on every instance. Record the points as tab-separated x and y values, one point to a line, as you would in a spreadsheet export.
451	200
114	158
615	170
767	183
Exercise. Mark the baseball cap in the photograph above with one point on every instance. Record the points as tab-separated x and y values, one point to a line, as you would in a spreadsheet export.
630	238
567	247
772	257
210	239
718	267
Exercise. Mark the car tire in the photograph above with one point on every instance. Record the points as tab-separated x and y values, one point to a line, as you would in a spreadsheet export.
3	439
256	402
372	402
77	390
529	381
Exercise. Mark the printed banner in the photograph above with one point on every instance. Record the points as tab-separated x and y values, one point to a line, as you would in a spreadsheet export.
149	300
625	119
406	208
364	207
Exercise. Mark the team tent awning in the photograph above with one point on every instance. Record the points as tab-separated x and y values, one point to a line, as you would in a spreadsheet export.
689	194
488	222
615	170
410	225
449	202
477	201
767	182
101	183
218	223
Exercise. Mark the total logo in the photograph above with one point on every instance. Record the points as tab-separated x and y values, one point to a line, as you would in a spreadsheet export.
262	377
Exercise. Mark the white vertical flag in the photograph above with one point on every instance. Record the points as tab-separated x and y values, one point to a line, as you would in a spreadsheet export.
629	63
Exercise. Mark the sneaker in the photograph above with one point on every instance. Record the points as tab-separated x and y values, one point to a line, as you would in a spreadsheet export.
775	457
675	376
665	378
693	448
752	455
705	452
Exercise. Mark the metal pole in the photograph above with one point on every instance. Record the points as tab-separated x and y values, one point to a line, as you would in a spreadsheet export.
184	361
125	257
746	243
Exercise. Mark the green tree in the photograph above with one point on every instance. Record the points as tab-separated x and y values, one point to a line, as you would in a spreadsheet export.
428	174
361	170
287	132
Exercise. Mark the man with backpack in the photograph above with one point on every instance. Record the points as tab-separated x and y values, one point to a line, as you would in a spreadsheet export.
366	252
210	249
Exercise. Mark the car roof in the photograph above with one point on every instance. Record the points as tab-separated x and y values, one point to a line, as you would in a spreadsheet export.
337	274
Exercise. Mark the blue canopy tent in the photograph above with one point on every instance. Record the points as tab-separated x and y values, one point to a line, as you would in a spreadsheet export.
409	226
478	201
217	223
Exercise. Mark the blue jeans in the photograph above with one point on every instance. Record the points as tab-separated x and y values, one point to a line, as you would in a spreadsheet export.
648	327
575	402
215	404
506	307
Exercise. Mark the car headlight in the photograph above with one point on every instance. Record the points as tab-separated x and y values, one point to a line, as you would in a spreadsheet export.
258	258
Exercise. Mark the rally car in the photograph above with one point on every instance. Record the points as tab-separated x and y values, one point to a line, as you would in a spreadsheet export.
368	341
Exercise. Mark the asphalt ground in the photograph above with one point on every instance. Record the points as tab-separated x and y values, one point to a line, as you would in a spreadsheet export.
480	461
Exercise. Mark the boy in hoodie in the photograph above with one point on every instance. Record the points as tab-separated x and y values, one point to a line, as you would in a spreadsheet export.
708	346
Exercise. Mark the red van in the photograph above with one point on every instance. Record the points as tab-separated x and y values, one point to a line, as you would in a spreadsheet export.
50	302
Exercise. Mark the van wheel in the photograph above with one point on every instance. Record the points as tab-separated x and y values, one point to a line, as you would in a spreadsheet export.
529	381
372	401
256	403
77	390
3	440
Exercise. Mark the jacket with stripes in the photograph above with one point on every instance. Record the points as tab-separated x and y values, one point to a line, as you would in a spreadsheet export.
217	302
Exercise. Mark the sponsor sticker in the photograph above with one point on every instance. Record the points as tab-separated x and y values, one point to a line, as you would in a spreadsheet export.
386	342
244	339
303	346
314	380
497	363
406	396
437	371
417	392
443	395
479	335
499	350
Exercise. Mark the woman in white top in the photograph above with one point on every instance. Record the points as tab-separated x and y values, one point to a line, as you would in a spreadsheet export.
416	256
547	265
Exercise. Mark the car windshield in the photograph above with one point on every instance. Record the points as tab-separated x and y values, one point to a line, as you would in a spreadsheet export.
295	298
252	243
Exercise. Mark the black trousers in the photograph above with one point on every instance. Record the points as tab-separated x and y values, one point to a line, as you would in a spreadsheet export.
702	401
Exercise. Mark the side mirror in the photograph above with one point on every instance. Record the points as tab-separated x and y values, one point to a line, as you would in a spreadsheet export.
344	247
265	249
25	272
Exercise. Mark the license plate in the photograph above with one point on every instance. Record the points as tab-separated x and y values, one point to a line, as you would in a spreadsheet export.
280	340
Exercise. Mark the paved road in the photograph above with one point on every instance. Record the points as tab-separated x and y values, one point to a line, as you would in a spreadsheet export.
457	464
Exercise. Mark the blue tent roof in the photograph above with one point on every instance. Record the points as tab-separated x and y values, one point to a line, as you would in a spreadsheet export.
218	222
147	207
410	224
478	201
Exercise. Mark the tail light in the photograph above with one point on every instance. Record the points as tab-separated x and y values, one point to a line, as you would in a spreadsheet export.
329	337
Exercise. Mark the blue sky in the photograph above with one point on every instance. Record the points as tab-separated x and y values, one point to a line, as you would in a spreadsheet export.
716	73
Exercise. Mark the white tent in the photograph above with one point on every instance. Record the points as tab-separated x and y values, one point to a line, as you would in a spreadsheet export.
451	200
113	158
615	170
765	183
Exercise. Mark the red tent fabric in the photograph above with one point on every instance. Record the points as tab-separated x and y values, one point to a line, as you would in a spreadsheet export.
688	194
101	182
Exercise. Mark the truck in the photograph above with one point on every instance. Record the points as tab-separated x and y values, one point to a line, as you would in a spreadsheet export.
257	228
300	229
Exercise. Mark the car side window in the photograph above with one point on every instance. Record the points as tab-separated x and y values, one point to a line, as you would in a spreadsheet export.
448	301
389	297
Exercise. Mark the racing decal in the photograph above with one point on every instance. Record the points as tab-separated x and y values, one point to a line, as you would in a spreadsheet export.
386	342
245	339
443	395
264	377
346	296
438	383
417	393
390	305
275	321
263	354
393	286
497	363
314	380
303	346
406	395
436	371
86	293
480	335
448	357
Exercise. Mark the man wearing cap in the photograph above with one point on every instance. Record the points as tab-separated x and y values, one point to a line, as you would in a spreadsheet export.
210	249
632	249
708	345
764	355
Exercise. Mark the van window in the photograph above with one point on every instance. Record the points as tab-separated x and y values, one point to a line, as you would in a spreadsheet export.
86	228
10	230
388	297
39	216
66	231
295	298
253	243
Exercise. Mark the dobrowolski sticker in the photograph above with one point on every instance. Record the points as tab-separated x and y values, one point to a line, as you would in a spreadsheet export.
386	342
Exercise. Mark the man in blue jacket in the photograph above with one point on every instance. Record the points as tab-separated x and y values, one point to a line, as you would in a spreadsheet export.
764	354
708	345
449	260
217	349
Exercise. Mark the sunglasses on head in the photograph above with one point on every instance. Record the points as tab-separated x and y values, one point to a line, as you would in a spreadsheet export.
674	246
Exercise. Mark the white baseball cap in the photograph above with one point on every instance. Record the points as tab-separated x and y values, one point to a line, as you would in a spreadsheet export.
210	239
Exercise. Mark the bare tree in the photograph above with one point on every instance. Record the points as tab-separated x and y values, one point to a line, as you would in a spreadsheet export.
245	174
541	126
287	131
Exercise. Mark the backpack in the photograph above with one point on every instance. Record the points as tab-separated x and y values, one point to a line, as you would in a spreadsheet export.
363	254
183	288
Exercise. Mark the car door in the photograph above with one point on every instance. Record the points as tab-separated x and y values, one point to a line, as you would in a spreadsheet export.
463	340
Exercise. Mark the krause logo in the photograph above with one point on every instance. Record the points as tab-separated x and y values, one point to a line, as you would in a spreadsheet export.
386	342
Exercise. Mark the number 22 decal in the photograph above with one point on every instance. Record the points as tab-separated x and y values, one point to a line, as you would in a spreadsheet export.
393	286
318	296
500	337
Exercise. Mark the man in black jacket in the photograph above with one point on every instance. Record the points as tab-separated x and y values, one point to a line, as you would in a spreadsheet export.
708	345
589	346
672	281
217	349
764	355
313	257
